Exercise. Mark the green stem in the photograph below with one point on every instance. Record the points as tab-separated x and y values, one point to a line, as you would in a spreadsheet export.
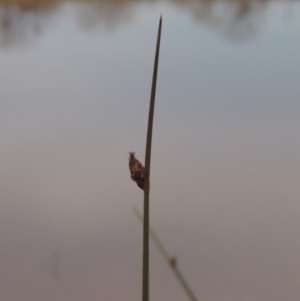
168	258
145	285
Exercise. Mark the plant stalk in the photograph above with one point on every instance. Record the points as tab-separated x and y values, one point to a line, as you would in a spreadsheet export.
168	258
145	284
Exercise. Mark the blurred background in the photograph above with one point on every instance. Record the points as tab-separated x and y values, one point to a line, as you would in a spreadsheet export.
75	83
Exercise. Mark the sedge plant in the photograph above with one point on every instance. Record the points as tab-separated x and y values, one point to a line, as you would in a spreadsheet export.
141	174
145	285
171	260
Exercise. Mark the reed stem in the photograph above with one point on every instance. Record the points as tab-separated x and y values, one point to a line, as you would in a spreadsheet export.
168	258
145	285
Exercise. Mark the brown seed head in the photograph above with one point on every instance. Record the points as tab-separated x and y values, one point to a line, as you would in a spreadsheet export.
136	170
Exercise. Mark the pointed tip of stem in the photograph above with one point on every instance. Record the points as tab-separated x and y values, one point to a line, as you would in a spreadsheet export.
160	16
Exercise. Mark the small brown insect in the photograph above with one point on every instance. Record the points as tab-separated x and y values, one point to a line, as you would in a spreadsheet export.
136	170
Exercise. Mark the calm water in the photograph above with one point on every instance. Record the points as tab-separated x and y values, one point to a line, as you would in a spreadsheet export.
74	91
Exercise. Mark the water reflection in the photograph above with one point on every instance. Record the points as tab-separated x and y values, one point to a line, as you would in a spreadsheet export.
107	14
235	20
23	21
226	135
20	24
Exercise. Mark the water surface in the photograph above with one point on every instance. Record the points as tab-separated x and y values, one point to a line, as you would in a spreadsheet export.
74	91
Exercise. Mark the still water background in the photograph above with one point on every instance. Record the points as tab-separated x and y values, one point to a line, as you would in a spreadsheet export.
74	90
